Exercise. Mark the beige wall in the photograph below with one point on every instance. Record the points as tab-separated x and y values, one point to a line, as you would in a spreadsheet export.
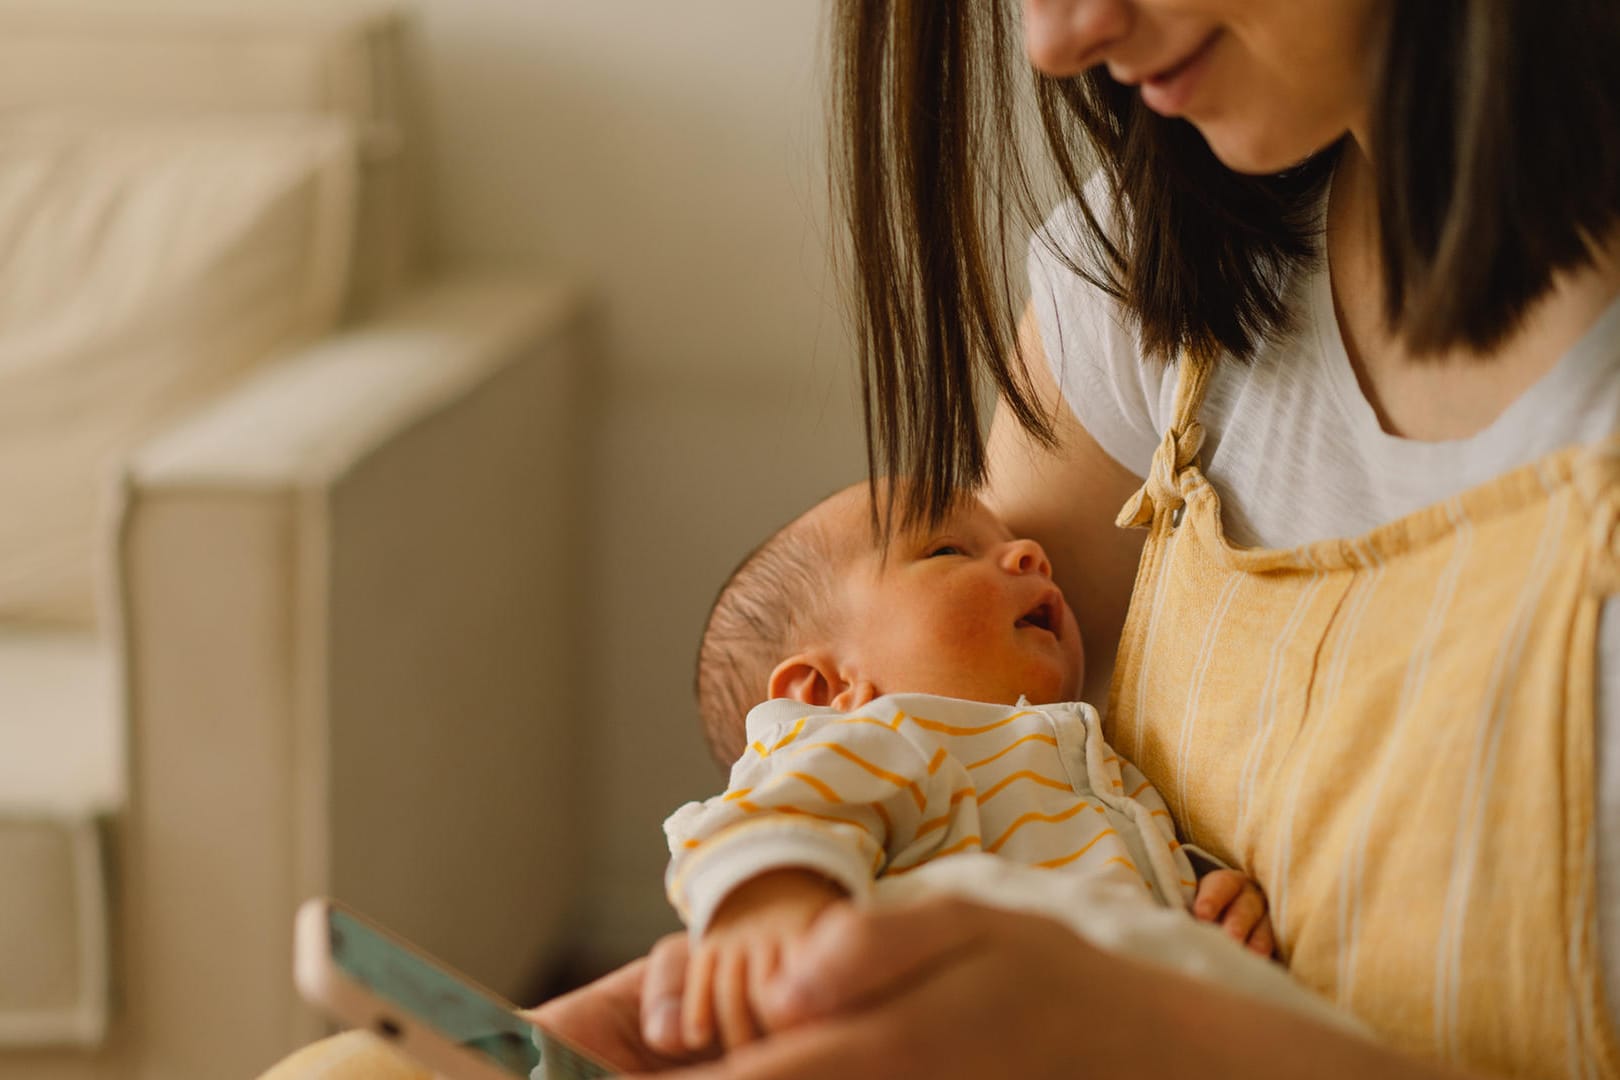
669	152
671	155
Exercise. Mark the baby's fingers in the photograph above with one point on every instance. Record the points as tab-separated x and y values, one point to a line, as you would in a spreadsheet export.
764	961
1244	914
732	1012
1216	891
1263	939
697	1000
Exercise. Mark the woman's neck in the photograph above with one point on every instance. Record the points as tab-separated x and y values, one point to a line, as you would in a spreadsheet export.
1457	393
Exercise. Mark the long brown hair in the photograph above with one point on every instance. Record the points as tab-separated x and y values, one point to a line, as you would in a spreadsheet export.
1496	129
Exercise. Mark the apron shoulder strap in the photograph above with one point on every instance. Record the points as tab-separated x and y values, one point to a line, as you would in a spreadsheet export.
1597	479
1178	448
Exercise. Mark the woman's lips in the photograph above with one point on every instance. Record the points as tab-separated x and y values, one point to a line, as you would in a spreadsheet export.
1167	93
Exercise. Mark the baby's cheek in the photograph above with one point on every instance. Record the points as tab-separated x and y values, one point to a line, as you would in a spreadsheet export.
1048	684
972	669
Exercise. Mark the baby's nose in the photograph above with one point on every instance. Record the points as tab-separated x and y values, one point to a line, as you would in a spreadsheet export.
1026	557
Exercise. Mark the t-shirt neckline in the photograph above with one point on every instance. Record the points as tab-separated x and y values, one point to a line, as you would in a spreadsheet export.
1590	358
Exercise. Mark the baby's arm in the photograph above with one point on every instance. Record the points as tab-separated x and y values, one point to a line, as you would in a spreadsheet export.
815	810
743	948
1225	897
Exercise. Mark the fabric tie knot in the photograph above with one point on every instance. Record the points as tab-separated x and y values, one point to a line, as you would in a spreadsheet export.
1177	450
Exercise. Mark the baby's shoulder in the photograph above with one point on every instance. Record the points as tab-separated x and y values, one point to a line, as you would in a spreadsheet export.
782	720
925	720
970	729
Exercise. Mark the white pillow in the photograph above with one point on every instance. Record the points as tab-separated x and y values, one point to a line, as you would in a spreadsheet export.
144	265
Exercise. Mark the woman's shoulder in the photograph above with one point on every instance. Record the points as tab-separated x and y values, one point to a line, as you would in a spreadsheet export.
1092	344
1121	397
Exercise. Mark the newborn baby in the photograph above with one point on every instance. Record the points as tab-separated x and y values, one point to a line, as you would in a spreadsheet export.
920	710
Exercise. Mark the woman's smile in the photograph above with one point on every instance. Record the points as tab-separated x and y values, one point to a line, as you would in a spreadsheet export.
1169	91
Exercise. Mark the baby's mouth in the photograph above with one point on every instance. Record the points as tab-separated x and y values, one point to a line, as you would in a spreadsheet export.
1043	616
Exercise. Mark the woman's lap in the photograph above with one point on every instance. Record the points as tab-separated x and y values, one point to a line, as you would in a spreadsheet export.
352	1055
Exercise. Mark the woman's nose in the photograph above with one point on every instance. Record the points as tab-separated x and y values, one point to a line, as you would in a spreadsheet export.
1064	37
1025	557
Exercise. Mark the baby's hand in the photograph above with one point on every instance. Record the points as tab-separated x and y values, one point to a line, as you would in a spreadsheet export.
1231	899
742	949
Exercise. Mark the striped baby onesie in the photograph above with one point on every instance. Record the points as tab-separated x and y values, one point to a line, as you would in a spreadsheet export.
912	778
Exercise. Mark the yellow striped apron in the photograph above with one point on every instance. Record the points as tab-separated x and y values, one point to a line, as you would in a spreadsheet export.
1394	735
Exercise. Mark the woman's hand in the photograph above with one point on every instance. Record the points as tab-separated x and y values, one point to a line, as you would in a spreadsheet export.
947	988
631	1017
1236	903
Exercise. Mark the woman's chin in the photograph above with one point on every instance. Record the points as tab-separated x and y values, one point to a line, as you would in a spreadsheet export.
1251	152
1242	157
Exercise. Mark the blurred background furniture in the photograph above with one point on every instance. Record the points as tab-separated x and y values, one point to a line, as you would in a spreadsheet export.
288	530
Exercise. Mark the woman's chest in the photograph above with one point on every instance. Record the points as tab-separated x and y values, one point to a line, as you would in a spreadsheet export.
1298	453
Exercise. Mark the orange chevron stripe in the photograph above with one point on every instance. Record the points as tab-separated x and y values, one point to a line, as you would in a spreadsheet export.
740	793
1035	816
933	823
883	816
796	812
820	788
1023	774
953	729
939	759
1064	860
892	725
677	886
1126	863
798	726
1037	737
881	773
1141	788
961	845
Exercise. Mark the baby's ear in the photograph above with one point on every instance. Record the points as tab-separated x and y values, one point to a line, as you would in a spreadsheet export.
810	678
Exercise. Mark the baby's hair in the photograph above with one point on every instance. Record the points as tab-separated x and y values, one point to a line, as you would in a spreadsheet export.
778	596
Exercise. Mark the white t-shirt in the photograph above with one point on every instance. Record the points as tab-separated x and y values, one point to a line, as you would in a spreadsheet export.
1308	460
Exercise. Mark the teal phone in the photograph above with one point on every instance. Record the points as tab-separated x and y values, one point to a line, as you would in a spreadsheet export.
365	976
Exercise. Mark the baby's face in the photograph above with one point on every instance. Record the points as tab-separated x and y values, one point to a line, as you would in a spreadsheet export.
965	610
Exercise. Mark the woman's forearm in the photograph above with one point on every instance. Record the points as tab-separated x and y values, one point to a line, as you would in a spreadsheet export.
1222	1034
948	988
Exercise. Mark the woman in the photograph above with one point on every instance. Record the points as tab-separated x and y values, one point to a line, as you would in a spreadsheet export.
1348	354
